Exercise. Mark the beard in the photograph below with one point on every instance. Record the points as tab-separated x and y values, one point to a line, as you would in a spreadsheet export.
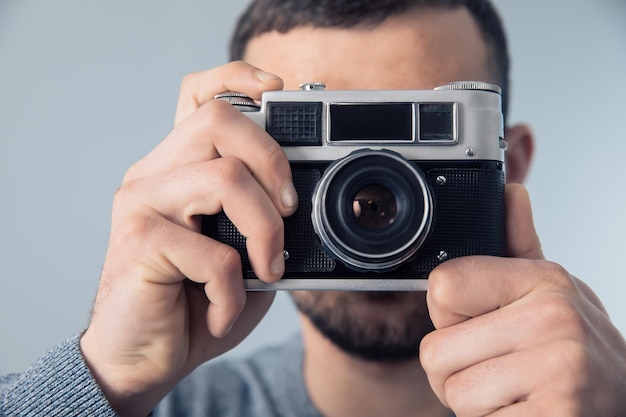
373	326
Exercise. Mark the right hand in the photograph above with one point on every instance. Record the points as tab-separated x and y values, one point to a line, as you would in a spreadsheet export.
169	297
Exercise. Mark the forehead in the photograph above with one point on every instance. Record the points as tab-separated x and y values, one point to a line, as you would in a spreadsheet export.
422	48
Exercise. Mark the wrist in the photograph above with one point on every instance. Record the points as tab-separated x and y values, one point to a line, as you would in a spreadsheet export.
126	389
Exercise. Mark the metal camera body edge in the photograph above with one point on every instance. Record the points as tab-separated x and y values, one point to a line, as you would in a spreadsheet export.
391	183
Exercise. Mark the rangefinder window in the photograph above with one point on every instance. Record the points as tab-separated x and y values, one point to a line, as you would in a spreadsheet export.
390	122
436	122
295	123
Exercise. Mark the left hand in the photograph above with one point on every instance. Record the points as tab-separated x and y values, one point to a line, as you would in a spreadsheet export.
520	336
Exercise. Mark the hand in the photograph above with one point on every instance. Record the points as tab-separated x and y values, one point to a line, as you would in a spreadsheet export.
168	295
521	337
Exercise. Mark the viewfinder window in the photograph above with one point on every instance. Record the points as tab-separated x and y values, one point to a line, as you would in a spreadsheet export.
436	122
371	122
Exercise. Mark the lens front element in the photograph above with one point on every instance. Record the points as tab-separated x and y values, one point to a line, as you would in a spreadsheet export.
372	210
374	207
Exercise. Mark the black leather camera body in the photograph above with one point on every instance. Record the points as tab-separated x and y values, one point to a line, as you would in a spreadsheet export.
390	183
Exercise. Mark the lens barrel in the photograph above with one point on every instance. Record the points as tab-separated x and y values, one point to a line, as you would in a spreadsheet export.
372	210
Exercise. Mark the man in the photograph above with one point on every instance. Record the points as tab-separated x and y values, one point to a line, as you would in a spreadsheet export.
514	336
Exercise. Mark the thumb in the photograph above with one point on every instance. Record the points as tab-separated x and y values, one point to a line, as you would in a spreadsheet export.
522	239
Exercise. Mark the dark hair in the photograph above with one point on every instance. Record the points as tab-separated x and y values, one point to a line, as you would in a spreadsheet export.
263	16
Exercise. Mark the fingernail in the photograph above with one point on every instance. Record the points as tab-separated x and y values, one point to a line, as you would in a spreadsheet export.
227	330
289	196
265	76
278	265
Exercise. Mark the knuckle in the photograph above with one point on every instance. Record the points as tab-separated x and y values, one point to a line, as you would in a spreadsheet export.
188	81
134	235
229	258
230	171
133	223
189	85
557	275
219	116
140	228
437	284
569	364
239	70
442	286
575	359
126	214
130	174
124	196
239	65
454	392
429	353
274	154
214	112
557	311
134	172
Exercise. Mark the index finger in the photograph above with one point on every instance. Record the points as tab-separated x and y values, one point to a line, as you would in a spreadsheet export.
200	87
217	129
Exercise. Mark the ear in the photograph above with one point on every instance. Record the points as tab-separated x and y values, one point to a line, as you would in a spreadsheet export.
519	154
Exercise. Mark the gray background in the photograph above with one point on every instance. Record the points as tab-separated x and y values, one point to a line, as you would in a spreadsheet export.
88	87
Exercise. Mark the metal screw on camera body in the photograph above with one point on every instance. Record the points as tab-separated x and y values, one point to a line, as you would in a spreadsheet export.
443	256
441	180
470	152
285	254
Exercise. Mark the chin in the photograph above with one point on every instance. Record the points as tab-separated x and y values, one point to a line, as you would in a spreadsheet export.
373	326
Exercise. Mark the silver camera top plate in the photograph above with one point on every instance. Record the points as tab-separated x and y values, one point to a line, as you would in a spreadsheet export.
472	110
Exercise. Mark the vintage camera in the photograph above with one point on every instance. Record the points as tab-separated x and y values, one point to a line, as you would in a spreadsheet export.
391	183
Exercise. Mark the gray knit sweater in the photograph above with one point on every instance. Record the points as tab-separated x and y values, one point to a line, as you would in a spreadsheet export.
268	383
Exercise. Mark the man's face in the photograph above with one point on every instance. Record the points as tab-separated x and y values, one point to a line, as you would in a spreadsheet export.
421	49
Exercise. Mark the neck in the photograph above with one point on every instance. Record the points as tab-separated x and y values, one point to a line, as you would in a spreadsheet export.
342	385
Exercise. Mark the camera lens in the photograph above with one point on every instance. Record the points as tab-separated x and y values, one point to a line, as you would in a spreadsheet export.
372	210
374	207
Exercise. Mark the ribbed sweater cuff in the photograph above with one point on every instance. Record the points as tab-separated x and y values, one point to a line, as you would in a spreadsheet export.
58	384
